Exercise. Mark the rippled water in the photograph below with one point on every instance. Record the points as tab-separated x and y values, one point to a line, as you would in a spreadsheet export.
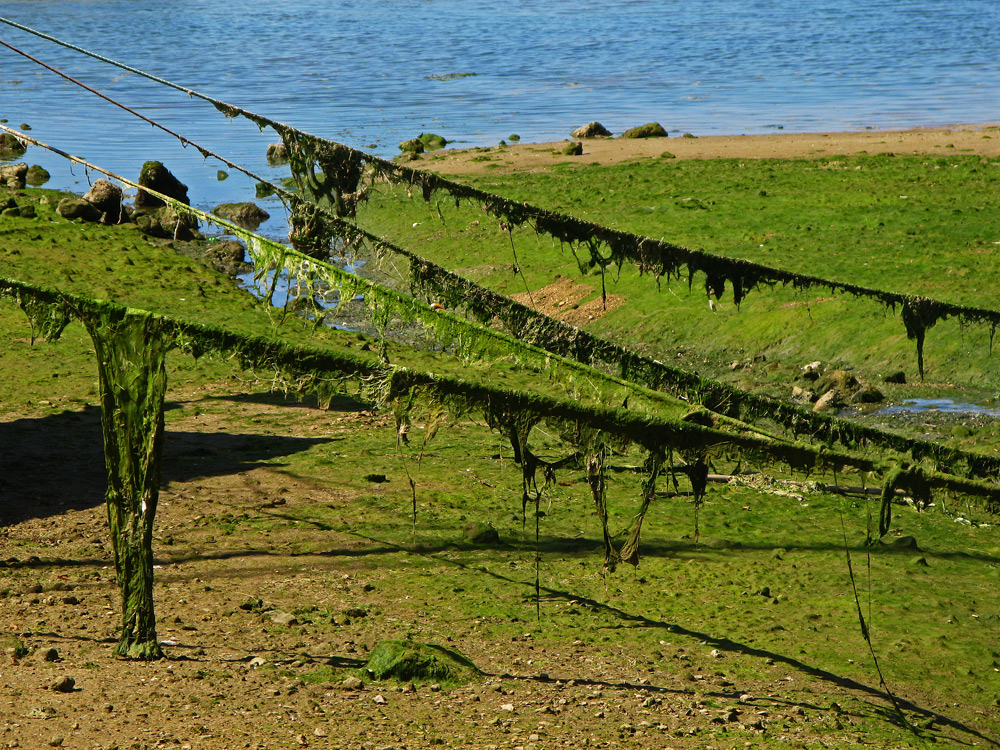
374	73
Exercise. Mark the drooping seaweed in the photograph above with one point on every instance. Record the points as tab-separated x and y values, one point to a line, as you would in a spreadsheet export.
130	349
919	314
130	363
48	319
654	467
273	257
900	477
131	346
657	257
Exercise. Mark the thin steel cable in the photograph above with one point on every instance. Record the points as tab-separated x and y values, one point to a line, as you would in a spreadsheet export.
102	58
184	141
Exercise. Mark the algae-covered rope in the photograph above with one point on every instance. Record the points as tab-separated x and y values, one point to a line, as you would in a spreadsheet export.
663	376
652	433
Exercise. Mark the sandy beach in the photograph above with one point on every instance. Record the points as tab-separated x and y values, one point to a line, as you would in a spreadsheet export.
959	139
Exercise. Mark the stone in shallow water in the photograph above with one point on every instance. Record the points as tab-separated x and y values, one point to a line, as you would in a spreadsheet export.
649	130
591	130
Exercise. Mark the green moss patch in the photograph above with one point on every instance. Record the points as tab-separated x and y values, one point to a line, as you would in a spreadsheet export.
410	661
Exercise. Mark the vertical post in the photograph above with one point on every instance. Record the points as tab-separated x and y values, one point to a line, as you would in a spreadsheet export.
130	359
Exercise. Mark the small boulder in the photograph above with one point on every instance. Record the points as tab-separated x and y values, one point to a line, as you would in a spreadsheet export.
74	209
10	145
37	175
591	130
868	394
905	543
277	153
226	252
155	176
410	661
481	534
285	619
106	197
802	395
352	683
167	224
14	175
64	684
247	214
573	148
27	211
841	381
649	130
826	402
432	141
412	146
898	377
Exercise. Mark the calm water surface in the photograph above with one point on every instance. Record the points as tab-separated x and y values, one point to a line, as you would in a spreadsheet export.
371	74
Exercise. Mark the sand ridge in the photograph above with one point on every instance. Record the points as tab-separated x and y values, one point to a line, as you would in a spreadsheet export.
983	140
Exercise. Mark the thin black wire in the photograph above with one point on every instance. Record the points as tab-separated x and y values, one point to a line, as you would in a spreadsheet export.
184	141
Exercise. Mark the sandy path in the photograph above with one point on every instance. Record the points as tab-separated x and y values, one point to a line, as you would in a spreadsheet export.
975	139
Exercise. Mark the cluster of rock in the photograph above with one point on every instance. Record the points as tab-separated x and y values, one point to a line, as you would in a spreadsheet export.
596	130
103	203
423	142
412	148
18	175
835	389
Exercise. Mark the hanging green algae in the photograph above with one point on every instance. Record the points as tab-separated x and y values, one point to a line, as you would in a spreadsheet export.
606	247
130	363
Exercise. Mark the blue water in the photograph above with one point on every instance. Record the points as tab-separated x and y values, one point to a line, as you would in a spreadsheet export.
371	74
943	406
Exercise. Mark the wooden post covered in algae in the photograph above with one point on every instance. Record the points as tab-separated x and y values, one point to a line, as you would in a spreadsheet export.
130	359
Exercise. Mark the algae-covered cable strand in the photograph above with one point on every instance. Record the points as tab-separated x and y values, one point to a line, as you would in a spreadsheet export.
824	427
649	432
184	141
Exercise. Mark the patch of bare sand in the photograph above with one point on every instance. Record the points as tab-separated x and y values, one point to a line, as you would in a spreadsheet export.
968	139
562	300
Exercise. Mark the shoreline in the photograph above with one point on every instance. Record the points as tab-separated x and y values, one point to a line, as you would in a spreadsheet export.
982	140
